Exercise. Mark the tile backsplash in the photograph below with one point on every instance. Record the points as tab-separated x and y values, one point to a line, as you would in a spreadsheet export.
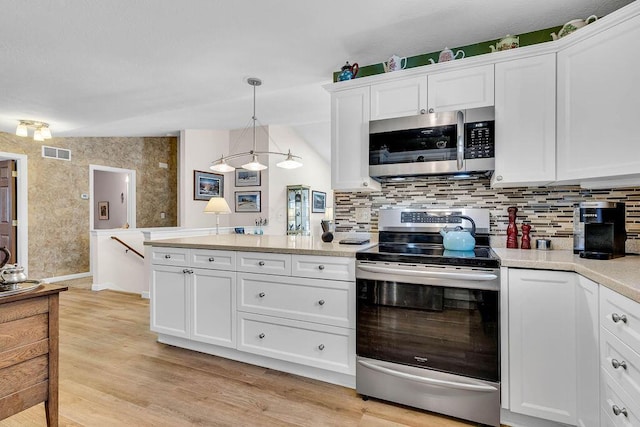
549	210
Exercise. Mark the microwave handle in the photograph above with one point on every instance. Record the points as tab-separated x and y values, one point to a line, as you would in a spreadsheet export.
460	142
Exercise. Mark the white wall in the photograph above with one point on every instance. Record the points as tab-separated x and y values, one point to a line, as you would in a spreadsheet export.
198	148
110	187
316	173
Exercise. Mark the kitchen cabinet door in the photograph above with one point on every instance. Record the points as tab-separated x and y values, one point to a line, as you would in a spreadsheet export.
350	141
525	122
399	98
213	304
542	344
598	93
169	300
461	89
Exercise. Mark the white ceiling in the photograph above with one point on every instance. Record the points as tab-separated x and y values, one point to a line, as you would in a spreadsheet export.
153	67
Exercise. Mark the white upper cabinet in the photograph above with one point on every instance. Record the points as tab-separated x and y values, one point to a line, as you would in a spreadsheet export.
461	89
399	98
350	141
525	122
598	100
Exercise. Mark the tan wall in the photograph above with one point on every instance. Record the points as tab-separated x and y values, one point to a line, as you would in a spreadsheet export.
59	218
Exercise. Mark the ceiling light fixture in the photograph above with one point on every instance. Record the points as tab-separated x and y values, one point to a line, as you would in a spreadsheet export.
289	162
40	133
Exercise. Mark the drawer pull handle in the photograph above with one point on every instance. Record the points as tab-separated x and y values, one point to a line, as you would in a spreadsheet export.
212	259
261	263
261	294
617	411
185	271
321	267
617	318
261	336
321	302
167	256
321	347
617	364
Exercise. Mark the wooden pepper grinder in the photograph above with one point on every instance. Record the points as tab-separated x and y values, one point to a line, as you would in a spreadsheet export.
526	239
512	230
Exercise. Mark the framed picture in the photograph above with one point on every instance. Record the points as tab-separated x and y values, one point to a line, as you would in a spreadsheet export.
103	210
247	201
207	185
247	178
318	201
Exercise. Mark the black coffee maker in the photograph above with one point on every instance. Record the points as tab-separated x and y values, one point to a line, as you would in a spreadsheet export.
604	230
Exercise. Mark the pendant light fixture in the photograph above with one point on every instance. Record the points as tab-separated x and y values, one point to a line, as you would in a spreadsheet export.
40	133
289	162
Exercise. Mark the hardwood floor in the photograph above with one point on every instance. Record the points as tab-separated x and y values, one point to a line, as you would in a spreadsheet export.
114	373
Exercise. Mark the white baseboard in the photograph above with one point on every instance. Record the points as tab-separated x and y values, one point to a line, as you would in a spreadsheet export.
67	277
100	287
145	295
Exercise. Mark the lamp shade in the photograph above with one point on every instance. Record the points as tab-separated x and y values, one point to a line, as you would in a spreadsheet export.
217	205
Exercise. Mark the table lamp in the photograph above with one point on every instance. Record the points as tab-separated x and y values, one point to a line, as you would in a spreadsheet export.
217	205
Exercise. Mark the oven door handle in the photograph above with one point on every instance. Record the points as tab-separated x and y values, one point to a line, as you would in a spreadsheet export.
433	274
430	381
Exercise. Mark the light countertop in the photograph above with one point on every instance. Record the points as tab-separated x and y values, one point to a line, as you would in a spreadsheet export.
303	245
620	274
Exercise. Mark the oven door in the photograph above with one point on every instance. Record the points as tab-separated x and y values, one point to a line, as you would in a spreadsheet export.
437	317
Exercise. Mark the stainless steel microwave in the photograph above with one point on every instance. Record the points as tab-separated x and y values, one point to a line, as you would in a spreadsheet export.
455	142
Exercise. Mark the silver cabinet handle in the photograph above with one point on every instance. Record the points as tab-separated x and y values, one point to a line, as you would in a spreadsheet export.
321	347
423	111
365	184
617	411
321	267
185	270
499	178
431	110
321	302
617	318
212	259
616	364
167	256
261	294
260	263
261	336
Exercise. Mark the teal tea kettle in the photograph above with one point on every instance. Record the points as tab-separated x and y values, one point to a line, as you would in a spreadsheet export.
459	239
348	72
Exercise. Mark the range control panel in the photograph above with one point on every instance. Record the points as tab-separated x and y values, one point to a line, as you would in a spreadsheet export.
479	140
429	218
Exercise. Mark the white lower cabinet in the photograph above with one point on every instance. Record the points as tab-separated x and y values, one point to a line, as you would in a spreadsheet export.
552	348
254	303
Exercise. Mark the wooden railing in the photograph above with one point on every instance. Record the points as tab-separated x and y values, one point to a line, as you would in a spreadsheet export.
129	248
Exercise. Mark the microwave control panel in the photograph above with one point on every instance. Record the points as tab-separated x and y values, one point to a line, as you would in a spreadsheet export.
479	140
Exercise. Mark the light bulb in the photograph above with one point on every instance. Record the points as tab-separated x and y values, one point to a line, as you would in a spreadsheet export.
21	130
222	167
37	135
254	165
45	132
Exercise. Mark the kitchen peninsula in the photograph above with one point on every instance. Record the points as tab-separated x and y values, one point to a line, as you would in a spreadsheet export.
283	302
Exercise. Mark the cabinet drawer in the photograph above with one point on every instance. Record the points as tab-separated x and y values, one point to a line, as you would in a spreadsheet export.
23	331
322	301
306	343
614	309
25	308
23	375
614	352
265	263
612	395
169	256
324	267
219	260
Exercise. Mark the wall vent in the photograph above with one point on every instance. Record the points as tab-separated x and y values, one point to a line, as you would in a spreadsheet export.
56	153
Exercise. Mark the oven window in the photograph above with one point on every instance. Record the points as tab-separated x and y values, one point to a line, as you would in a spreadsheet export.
448	329
413	145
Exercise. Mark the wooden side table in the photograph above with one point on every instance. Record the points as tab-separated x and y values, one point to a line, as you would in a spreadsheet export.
29	351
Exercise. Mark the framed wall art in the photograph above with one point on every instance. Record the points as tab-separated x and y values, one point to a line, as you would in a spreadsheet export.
247	178
318	201
207	185
103	210
247	201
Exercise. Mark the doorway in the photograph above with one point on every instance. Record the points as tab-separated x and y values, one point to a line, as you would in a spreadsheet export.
13	207
113	197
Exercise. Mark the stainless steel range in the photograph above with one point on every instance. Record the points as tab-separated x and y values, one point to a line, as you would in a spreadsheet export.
427	318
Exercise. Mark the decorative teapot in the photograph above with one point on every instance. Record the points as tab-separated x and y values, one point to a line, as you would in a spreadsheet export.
459	239
571	26
348	72
447	55
10	273
506	43
395	63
